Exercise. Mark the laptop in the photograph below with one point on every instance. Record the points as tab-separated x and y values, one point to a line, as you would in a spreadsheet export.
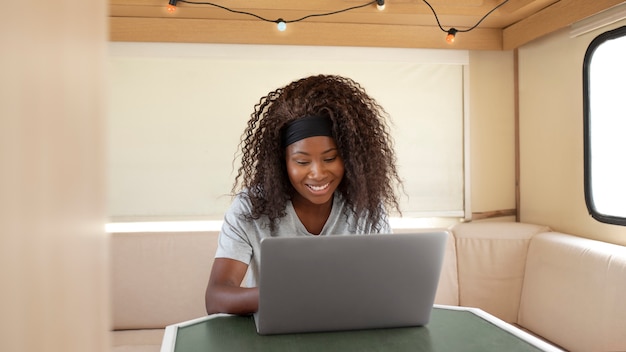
351	282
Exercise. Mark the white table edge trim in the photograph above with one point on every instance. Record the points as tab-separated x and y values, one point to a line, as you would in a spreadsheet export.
533	340
169	337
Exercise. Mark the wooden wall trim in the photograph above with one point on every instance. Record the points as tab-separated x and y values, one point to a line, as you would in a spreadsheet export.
493	214
559	15
142	29
516	105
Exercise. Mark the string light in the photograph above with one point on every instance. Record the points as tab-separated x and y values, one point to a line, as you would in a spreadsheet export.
380	5
450	36
171	7
281	24
453	31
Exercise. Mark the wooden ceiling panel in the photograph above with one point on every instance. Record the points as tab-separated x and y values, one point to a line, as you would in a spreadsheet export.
403	23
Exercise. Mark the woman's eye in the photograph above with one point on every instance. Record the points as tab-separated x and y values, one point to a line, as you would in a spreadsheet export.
330	159
300	162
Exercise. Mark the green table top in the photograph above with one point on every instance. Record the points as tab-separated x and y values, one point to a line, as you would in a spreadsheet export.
448	330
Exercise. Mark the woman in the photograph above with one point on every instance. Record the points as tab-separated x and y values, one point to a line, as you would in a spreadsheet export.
317	159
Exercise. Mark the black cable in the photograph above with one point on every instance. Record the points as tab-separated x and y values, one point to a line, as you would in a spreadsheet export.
336	12
464	30
280	19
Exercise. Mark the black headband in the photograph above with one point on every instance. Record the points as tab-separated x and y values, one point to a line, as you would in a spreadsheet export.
305	127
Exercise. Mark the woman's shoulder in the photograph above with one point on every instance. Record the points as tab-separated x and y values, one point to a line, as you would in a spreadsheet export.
241	202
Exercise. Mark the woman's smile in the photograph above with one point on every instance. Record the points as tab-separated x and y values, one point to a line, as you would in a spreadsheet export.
319	188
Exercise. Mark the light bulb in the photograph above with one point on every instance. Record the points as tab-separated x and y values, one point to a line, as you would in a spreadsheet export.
171	7
380	4
450	36
281	25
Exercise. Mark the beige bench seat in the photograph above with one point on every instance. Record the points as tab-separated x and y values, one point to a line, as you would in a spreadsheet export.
565	289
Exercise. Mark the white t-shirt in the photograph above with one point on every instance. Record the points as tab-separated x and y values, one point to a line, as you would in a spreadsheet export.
240	239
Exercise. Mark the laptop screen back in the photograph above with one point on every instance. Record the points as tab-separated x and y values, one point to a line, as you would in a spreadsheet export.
348	282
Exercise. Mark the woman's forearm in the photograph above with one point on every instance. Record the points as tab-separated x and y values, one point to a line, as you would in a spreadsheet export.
231	299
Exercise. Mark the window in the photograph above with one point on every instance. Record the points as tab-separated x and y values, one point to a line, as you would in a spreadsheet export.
177	111
604	79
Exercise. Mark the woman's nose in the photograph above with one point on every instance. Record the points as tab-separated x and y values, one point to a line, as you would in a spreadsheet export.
317	170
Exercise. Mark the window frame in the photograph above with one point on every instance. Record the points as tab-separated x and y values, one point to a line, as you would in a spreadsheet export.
589	199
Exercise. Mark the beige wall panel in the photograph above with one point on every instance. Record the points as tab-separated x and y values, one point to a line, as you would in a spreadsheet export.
53	252
492	131
551	133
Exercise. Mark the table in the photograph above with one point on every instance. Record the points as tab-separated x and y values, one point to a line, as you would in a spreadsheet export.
451	328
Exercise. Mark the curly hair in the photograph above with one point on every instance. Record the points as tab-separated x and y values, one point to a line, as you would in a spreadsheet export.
362	138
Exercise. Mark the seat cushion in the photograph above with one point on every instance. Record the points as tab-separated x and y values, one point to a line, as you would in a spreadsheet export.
137	340
573	292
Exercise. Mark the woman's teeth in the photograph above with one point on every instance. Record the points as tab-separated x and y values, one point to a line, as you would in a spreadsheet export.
318	188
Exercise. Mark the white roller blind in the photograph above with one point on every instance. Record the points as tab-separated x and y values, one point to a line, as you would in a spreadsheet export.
177	112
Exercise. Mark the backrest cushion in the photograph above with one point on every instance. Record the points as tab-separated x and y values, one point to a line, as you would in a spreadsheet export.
158	279
491	259
448	289
574	292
